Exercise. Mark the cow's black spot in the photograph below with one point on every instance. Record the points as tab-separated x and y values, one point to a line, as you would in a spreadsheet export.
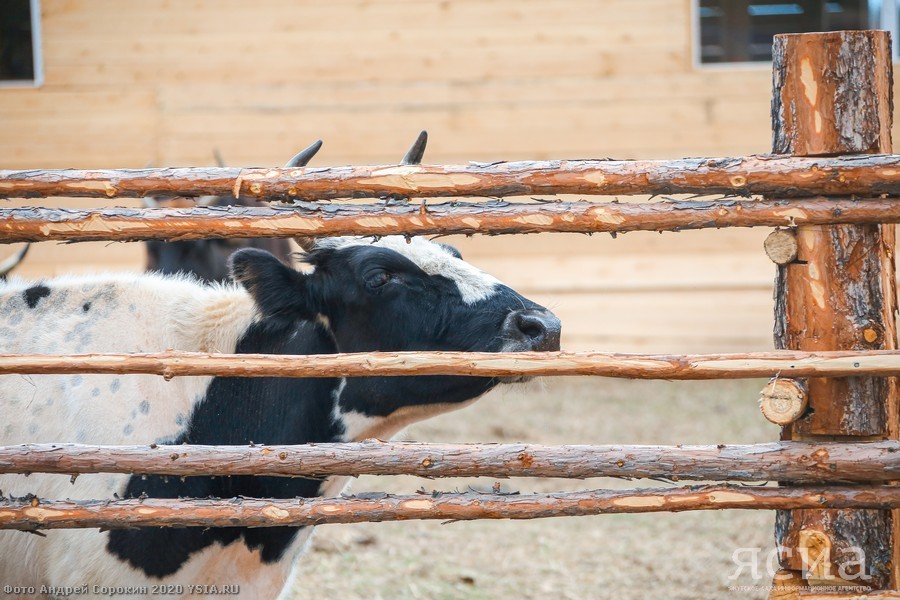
265	410
115	385
86	306
34	294
144	407
129	429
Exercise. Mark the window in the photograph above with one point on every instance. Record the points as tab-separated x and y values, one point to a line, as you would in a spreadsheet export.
730	31
20	49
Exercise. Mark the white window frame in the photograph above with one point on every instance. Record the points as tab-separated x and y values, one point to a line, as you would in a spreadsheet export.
888	20
36	50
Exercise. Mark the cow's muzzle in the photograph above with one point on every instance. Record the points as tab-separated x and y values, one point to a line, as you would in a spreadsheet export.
531	330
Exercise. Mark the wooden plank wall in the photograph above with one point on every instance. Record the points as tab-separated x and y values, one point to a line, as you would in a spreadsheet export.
167	81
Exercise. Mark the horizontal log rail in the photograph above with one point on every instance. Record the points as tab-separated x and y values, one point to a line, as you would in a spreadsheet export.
882	363
778	461
33	514
861	175
36	224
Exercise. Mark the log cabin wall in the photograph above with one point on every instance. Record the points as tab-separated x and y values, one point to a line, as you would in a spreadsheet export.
167	81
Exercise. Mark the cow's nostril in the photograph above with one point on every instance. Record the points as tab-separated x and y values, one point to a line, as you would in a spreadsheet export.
531	325
537	330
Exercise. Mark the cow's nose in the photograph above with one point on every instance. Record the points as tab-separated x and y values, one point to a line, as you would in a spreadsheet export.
539	329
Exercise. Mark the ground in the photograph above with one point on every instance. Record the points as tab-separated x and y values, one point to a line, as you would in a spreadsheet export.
683	555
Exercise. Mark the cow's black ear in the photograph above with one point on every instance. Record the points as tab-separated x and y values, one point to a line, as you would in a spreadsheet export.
276	288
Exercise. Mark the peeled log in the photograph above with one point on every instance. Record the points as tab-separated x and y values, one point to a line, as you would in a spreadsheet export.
832	94
780	461
483	364
131	224
35	514
766	175
783	401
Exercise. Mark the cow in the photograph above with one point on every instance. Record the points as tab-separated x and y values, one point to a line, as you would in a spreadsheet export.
356	295
6	266
207	259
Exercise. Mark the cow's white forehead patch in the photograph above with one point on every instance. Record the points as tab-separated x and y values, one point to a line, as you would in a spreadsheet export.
434	259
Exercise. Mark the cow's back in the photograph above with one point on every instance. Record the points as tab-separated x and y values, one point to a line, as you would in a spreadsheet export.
88	315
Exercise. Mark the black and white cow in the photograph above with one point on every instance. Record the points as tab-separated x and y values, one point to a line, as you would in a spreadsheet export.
361	295
208	259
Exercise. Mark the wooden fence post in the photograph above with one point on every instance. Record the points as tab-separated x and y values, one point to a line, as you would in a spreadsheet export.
832	95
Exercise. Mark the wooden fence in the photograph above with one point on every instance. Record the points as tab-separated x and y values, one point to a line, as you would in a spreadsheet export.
835	326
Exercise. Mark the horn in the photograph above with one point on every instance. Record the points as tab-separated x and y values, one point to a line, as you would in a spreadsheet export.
304	156
149	202
301	160
220	162
417	151
12	262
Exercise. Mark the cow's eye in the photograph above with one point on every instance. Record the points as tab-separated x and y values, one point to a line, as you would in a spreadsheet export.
378	278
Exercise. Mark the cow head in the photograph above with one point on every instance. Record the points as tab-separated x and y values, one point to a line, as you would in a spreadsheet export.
395	294
399	294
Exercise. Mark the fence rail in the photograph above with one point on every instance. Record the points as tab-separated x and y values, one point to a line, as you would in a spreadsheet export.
883	363
36	224
780	176
779	461
35	514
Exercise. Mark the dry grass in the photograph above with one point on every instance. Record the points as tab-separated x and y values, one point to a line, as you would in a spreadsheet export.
687	555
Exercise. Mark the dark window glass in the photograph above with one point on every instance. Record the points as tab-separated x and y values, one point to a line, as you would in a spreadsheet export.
16	42
742	30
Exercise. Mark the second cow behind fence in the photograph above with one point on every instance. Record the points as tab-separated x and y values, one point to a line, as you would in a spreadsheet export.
392	294
206	259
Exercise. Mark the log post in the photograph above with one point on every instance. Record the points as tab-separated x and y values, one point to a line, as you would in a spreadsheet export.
832	95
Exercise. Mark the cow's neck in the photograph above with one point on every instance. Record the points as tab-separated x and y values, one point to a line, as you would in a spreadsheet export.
380	407
262	410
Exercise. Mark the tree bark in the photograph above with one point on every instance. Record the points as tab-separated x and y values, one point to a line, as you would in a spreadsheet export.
32	514
480	364
129	224
778	461
832	95
765	174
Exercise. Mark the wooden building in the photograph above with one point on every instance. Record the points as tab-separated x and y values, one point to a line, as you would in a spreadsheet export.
169	81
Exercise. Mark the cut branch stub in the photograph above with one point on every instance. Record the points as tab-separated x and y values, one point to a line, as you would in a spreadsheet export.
783	401
781	246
